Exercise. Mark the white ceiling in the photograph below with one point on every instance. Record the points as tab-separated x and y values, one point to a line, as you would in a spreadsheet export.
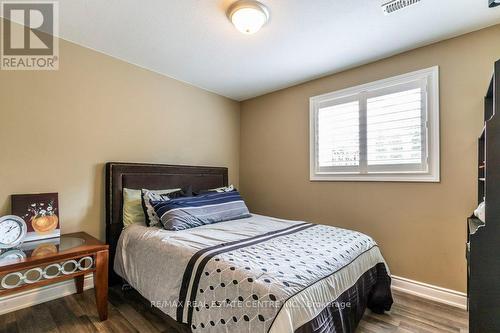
193	41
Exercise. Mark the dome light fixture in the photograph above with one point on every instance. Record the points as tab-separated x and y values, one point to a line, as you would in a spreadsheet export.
248	16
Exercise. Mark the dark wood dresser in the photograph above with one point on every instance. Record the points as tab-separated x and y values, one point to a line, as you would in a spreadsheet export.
483	238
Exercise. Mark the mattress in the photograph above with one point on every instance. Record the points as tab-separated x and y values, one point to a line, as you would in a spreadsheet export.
258	274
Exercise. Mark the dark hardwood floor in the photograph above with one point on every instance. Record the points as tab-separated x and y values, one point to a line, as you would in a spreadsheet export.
128	313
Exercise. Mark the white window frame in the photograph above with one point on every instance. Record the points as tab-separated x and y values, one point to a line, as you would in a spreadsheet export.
429	78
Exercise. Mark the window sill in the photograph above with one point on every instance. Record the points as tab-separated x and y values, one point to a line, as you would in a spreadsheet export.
410	178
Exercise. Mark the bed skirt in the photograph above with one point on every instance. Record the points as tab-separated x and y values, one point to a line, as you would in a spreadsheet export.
372	291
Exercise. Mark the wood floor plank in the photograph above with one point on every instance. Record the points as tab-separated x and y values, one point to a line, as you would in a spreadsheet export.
84	308
74	305
381	324
25	322
137	320
417	315
154	315
419	303
387	319
43	319
130	313
434	321
367	327
85	321
65	320
133	315
8	323
116	322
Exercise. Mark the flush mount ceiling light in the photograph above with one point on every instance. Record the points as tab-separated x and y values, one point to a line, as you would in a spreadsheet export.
248	16
494	3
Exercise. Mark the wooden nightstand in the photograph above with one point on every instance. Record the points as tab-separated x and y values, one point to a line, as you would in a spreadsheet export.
72	256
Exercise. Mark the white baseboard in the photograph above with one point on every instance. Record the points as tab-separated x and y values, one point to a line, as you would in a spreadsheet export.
35	296
428	291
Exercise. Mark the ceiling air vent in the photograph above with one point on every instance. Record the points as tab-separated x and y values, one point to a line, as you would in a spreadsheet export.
392	6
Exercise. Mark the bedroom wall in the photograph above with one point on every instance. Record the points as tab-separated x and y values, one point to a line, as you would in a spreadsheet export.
419	227
58	128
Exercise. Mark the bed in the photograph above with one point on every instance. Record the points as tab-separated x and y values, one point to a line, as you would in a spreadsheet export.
256	274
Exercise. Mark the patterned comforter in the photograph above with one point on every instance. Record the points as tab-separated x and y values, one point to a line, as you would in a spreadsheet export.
257	275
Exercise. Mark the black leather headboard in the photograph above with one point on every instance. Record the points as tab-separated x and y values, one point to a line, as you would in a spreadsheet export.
154	177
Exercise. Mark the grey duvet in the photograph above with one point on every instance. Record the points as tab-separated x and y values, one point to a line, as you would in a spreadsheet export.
258	274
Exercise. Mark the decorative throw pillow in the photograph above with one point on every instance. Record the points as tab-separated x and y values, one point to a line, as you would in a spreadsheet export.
223	189
132	207
160	195
229	188
184	213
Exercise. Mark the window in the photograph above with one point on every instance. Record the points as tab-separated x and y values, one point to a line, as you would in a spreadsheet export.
382	131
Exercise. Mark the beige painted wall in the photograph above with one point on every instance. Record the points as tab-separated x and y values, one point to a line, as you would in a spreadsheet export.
420	227
58	128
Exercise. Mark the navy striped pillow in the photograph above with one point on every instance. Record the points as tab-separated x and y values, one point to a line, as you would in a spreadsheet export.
184	213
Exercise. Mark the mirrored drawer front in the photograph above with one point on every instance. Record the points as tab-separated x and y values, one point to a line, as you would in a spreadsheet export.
50	271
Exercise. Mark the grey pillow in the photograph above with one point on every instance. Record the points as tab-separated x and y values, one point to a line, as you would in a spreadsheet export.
184	213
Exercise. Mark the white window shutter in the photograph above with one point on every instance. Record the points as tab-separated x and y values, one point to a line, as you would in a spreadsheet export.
385	130
395	129
338	135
